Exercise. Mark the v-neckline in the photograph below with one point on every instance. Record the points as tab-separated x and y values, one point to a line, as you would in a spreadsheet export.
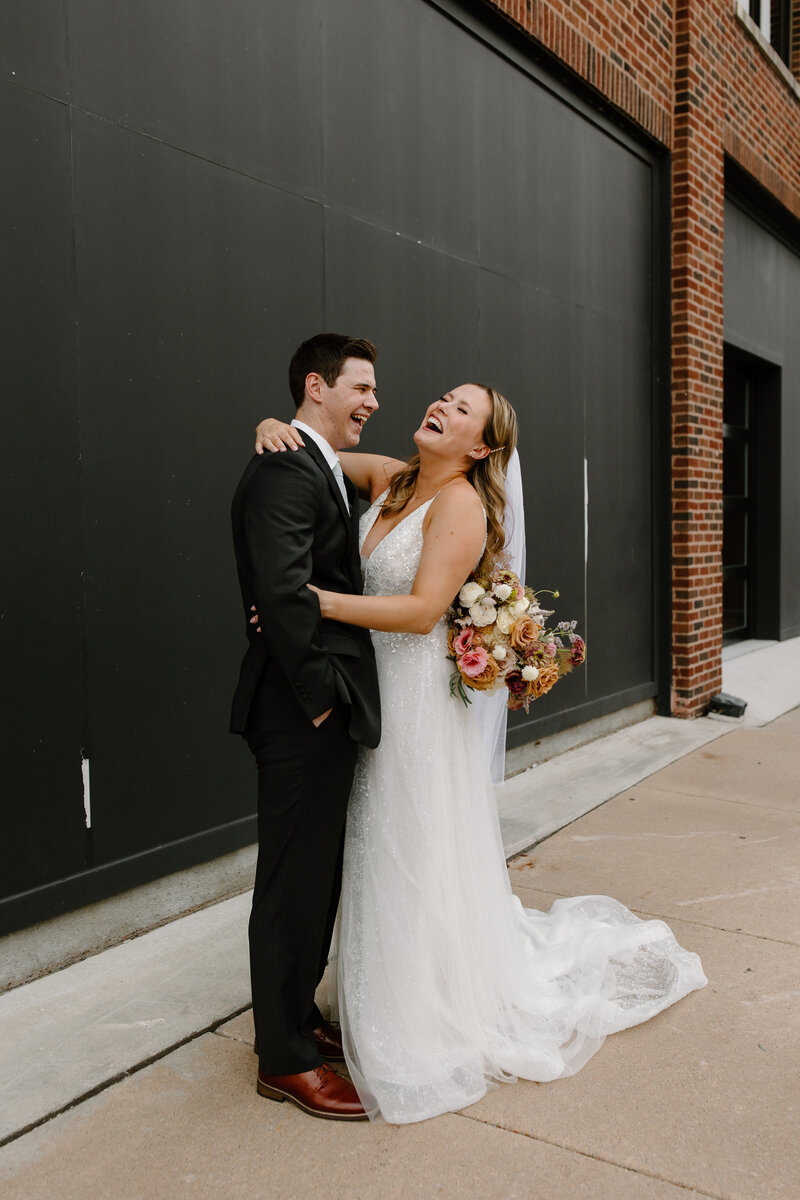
389	532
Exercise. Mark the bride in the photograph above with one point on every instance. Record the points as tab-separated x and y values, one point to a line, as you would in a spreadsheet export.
445	982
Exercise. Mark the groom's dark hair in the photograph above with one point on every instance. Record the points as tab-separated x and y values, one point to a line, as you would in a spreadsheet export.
325	354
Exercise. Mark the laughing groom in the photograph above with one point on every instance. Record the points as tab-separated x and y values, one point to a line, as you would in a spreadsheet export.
307	696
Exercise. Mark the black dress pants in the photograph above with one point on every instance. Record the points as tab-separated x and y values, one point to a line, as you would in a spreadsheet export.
304	778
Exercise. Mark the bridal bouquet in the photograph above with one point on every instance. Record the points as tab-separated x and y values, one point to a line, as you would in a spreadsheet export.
499	637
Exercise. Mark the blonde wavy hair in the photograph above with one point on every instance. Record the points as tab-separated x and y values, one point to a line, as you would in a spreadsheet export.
487	475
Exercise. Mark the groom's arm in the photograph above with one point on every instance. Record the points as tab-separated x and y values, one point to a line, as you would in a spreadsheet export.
280	509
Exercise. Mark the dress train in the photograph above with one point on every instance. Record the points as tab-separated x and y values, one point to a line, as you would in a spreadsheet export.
445	982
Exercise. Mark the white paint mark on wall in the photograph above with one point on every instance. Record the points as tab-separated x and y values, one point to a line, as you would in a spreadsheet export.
585	630
586	512
87	793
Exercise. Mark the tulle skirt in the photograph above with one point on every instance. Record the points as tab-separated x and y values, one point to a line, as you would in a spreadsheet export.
445	982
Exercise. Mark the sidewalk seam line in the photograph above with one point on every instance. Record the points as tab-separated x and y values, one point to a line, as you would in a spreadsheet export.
762	937
120	1076
673	791
535	1137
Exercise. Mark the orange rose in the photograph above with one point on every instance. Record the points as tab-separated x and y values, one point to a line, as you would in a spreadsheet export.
524	634
545	680
487	678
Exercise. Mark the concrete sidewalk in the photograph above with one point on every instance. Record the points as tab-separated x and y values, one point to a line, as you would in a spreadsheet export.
702	1099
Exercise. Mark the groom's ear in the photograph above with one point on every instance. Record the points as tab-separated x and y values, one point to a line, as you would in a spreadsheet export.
313	386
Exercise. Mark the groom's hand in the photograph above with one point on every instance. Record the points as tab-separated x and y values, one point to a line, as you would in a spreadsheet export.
318	720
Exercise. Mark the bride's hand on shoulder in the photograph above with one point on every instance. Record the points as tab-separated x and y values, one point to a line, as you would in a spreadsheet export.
276	436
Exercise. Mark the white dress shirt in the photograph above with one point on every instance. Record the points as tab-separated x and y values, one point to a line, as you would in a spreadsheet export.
330	455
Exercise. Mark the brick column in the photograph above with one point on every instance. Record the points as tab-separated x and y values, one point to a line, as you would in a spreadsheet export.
697	337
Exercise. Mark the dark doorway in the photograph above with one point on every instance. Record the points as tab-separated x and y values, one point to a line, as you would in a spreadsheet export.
751	494
737	503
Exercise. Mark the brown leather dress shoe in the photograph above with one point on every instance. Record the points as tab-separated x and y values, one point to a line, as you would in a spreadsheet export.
329	1042
320	1092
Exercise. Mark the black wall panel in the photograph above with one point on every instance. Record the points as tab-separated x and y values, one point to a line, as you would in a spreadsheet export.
227	180
567	252
530	342
533	179
42	730
620	520
421	308
236	82
186	287
33	45
400	121
762	317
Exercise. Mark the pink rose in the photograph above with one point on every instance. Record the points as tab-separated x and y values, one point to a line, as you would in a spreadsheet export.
464	641
473	663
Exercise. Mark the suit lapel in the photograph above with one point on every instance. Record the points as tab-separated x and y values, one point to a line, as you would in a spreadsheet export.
319	459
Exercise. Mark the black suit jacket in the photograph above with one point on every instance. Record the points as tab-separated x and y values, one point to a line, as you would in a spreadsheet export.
291	527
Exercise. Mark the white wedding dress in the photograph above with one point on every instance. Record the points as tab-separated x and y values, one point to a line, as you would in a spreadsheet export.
445	982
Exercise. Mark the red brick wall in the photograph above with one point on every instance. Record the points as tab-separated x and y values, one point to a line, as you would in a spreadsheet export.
623	48
693	76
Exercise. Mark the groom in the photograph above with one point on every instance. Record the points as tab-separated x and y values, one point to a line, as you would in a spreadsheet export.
307	696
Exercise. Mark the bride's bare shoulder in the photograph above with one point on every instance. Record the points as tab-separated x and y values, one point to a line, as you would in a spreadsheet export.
459	501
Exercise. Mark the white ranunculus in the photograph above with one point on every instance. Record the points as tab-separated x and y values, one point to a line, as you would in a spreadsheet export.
502	591
521	606
499	653
530	673
505	619
470	594
483	613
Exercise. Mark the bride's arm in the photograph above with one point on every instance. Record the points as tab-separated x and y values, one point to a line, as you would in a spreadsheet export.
453	541
370	474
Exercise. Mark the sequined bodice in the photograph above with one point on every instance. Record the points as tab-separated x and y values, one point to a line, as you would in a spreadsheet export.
392	566
390	571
